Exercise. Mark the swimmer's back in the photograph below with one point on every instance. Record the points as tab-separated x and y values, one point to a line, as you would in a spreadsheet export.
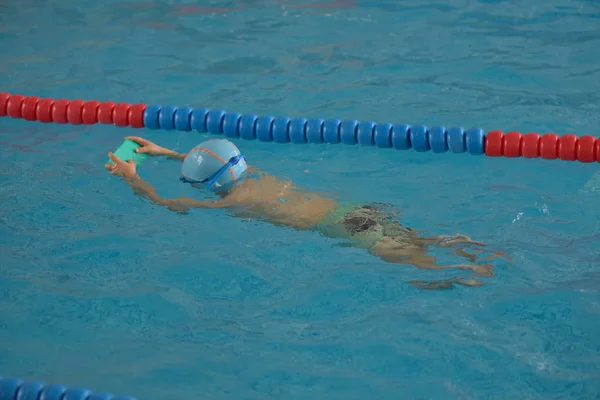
279	201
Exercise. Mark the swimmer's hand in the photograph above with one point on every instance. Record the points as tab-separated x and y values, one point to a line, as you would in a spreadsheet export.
126	169
147	147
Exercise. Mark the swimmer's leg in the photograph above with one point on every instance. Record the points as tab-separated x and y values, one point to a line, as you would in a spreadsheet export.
400	252
463	246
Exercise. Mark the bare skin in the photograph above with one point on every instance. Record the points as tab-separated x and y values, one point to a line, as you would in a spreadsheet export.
281	203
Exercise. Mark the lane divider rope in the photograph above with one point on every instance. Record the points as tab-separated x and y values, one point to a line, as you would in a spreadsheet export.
421	138
17	389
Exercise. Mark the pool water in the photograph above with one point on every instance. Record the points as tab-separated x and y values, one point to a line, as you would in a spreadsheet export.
101	289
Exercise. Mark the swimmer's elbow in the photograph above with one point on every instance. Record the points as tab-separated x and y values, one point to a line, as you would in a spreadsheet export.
191	203
209	204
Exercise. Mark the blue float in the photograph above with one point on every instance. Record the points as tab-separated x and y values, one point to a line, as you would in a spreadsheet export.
438	139
17	389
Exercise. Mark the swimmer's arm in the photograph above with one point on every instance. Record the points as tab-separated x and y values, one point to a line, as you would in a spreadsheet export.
147	147
144	189
175	155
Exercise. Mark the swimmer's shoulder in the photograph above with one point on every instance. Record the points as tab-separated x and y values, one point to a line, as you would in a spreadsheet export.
255	176
254	188
255	173
259	180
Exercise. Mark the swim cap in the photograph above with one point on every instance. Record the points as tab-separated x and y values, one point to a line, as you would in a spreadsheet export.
216	163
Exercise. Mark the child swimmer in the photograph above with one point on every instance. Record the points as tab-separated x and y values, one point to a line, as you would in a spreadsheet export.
218	165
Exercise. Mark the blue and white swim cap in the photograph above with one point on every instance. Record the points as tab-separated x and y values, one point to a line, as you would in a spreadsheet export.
216	163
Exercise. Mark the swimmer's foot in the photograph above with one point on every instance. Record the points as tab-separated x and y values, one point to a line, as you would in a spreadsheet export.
446	284
464	246
392	251
484	270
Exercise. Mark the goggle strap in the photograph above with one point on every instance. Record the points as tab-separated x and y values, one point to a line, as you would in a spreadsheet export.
215	177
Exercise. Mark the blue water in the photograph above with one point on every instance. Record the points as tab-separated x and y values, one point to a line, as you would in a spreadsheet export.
101	289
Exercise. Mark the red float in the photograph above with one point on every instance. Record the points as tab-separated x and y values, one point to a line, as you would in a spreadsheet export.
74	111
29	108
105	112
89	112
567	147
59	111
121	114
493	144
586	149
549	146
531	145
512	144
44	110
3	101
14	106
136	115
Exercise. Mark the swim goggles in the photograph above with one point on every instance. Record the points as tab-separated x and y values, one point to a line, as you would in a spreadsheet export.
211	180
